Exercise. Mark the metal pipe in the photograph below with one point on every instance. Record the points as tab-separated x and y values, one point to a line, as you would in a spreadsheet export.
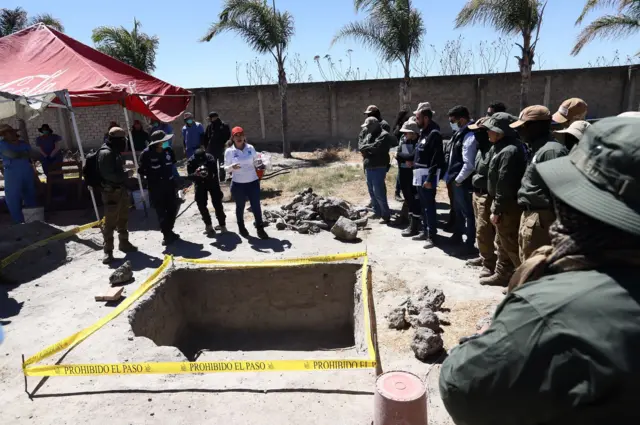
135	160
75	129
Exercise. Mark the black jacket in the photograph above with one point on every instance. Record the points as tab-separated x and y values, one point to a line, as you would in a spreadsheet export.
194	163
111	168
506	168
375	149
215	137
455	159
429	151
157	167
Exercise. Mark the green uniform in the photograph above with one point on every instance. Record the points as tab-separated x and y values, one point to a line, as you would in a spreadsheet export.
535	199
561	350
506	168
114	197
485	232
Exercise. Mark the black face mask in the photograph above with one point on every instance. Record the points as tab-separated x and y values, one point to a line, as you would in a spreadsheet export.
201	157
118	144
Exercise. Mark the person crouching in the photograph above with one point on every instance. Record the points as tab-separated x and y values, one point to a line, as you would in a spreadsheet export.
240	160
202	169
156	164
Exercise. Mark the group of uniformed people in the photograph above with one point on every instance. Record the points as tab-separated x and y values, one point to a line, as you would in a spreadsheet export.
157	167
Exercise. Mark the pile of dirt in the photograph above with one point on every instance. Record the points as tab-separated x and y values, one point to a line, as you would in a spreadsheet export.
419	312
309	213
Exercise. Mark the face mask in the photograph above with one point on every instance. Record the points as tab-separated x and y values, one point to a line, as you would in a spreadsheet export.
455	126
189	122
46	132
165	145
155	124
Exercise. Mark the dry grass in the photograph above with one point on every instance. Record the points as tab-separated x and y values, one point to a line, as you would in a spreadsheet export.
464	316
328	156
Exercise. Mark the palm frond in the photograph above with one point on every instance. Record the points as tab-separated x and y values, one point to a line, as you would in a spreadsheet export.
12	20
134	48
261	27
392	28
47	19
607	27
595	4
506	16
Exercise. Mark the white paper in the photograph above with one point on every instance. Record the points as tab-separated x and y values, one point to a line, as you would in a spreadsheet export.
419	176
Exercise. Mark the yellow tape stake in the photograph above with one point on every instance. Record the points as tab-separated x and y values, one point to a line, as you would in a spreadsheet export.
78	337
290	262
13	257
197	367
365	303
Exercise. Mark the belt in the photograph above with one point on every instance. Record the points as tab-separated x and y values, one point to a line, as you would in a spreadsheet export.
529	208
480	191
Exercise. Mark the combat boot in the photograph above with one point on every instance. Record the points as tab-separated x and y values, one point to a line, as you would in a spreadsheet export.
413	229
209	230
475	262
126	246
107	258
261	233
422	236
485	272
495	280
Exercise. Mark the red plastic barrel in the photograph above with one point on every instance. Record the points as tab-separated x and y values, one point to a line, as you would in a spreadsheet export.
400	398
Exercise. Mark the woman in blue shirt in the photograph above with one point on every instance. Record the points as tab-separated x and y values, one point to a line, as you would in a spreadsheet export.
49	145
19	178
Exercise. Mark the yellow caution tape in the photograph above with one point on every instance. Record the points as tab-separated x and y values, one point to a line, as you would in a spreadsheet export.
202	367
13	257
78	337
268	263
98	369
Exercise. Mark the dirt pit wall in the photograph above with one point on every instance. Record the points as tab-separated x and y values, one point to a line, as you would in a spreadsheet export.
303	308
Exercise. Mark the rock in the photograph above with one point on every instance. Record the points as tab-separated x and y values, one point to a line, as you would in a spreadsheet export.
304	229
426	343
320	224
296	206
425	298
426	319
314	229
306	214
307	199
345	229
297	199
280	224
396	319
361	223
122	274
307	190
333	208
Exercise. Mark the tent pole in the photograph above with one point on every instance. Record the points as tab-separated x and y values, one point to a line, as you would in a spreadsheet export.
75	129
135	160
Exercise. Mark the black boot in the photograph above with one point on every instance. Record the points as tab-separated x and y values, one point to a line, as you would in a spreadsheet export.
261	233
243	230
413	229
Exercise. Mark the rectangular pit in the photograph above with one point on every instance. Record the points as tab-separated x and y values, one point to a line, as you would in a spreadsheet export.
306	308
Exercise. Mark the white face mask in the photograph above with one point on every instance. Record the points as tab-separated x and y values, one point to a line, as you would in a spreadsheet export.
454	126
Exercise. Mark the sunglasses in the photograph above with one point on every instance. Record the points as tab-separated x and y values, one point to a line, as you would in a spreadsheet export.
238	134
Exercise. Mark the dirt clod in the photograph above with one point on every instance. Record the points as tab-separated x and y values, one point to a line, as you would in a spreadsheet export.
345	229
426	343
396	319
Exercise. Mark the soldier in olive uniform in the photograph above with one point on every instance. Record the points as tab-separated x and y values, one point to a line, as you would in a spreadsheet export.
534	127
485	232
115	196
563	346
507	164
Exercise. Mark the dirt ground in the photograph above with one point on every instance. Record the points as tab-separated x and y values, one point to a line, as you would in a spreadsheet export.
59	300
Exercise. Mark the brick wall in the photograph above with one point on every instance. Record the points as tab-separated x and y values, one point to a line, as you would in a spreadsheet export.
328	113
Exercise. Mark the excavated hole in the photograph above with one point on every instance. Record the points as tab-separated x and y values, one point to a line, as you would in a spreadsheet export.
306	308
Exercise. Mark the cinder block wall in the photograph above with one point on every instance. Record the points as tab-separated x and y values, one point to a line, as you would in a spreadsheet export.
321	114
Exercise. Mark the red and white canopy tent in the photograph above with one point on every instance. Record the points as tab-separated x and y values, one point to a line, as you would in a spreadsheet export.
40	60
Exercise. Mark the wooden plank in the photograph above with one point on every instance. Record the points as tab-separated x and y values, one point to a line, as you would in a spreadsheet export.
112	294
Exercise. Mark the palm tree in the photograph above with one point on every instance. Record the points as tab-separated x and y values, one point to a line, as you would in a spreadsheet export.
624	23
394	29
523	17
134	48
14	20
266	30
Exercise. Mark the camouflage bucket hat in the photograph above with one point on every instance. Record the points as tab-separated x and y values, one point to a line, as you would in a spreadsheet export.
601	175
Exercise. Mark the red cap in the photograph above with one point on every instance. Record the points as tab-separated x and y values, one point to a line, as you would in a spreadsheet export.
236	130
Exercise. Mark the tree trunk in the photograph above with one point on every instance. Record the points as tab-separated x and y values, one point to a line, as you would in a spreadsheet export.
526	64
282	90
405	91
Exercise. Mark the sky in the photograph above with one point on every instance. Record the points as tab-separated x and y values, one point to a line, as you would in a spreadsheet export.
182	60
